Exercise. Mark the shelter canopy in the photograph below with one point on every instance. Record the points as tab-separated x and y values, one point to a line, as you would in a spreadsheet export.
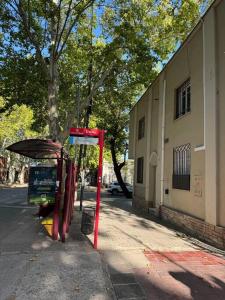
37	148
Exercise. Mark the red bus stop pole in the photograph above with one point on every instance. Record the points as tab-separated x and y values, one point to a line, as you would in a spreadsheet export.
99	181
55	228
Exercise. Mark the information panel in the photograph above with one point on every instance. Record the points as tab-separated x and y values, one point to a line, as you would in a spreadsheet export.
83	140
42	185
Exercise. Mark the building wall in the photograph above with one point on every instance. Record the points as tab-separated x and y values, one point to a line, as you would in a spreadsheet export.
153	139
153	135
132	137
214	235
202	59
220	46
144	194
141	146
189	128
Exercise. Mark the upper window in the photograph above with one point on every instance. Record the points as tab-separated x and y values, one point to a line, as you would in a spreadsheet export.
183	99
182	167
140	169
141	128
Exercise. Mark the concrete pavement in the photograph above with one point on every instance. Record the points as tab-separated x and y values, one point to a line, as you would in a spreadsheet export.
147	260
138	257
35	267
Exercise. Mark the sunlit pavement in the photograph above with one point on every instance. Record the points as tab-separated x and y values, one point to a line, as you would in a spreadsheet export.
140	257
32	266
147	260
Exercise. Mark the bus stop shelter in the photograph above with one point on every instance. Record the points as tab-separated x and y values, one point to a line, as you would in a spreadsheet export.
48	149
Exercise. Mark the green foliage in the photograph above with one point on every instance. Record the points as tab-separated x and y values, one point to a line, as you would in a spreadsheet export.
92	152
138	36
23	82
128	38
92	156
16	123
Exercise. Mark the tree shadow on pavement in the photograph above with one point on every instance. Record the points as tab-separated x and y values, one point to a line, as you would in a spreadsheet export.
115	206
125	204
200	288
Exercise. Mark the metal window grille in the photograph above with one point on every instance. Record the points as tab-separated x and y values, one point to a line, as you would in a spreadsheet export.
141	128
140	169
182	167
183	99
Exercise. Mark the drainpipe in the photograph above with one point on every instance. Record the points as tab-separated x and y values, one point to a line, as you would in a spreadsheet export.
162	143
210	118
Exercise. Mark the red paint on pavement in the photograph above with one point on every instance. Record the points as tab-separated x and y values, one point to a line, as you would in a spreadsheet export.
182	275
201	257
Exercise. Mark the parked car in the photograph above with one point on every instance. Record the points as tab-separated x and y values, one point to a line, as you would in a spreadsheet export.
115	188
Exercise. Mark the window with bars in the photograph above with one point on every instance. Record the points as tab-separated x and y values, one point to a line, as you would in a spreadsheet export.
182	167
183	99
140	169
141	128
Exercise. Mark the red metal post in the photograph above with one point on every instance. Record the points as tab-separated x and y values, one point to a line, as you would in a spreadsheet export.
55	229
73	189
99	181
68	199
71	198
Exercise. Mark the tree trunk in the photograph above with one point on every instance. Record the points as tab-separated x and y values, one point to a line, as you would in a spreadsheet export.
52	100
117	170
11	174
53	86
22	174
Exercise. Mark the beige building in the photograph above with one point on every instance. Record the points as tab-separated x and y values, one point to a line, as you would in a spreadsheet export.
177	134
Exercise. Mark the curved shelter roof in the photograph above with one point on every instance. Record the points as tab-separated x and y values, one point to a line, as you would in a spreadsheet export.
37	148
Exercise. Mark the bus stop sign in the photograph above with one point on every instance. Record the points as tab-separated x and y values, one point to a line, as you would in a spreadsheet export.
89	136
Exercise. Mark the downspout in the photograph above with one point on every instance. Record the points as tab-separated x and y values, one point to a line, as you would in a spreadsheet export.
162	143
210	118
148	149
202	146
134	149
204	89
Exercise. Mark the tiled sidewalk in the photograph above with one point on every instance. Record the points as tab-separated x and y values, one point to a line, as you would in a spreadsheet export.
182	275
145	260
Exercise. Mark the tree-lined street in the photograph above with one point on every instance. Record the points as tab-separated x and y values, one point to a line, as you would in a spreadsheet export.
71	72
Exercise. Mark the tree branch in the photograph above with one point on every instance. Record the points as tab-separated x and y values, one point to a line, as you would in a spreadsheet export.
97	86
23	17
58	40
64	133
88	4
121	165
58	24
28	7
13	7
45	27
